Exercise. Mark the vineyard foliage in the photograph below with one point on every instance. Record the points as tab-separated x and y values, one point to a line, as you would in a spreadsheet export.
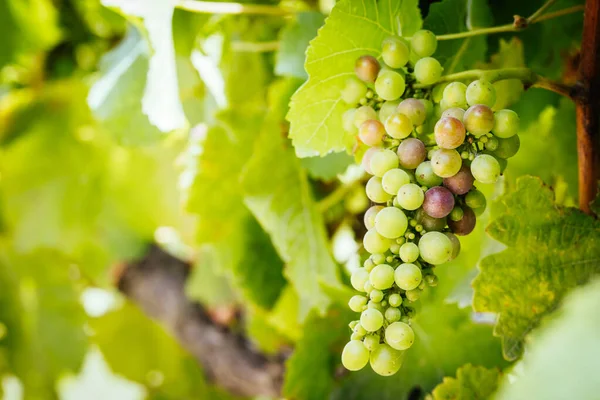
220	138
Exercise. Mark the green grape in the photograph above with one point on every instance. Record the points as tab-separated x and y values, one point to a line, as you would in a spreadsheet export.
376	295
355	336
395	52
475	199
373	242
368	264
428	106
375	191
387	108
371	132
368	288
359	277
385	360
456	214
455	95
454	112
376	305
398	126
479	211
371	342
479	119
357	303
507	148
371	319
367	68
393	180
395	300
409	252
391	222
423	43
395	248
392	314
408	276
352	324
378	258
465	225
506	124
492	143
382	277
413	109
437	94
449	133
383	161
366	158
425	175
485	168
413	295
435	248
455	245
445	163
399	336
429	223
355	355
410	196
428	70
390	85
363	114
481	92
353	91
348	121
370	216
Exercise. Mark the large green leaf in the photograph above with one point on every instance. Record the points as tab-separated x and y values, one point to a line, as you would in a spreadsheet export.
471	383
353	29
562	360
278	193
43	319
551	249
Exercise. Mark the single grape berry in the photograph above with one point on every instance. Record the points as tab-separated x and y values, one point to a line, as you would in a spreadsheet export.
390	85
392	314
455	245
371	132
485	168
373	242
479	119
460	183
371	319
438	202
391	223
456	214
385	360
370	215
367	68
353	91
398	126
445	162
506	124
364	113
366	160
399	336
375	295
425	175
481	92
395	300
410	196
435	248
428	70
409	252
383	161
449	133
394	179
465	225
357	303
414	109
387	108
455	95
358	279
407	276
375	191
423	43
429	223
454	112
382	277
475	199
411	153
371	341
395	52
355	355
506	148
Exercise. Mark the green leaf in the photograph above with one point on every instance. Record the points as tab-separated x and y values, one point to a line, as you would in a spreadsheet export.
284	205
161	102
328	167
550	250
561	363
294	40
471	383
452	16
310	369
353	29
41	314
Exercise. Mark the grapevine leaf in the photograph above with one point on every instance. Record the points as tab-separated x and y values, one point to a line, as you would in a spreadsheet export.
551	249
285	207
562	361
328	167
310	374
353	29
294	40
161	101
40	311
452	16
471	383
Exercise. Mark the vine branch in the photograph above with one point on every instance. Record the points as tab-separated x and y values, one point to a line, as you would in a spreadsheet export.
588	107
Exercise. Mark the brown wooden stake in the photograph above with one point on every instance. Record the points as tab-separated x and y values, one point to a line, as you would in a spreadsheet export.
588	107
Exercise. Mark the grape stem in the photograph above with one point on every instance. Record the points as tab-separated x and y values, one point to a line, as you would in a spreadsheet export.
214	7
527	76
519	23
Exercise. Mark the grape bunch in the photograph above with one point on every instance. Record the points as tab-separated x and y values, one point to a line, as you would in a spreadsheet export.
425	145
